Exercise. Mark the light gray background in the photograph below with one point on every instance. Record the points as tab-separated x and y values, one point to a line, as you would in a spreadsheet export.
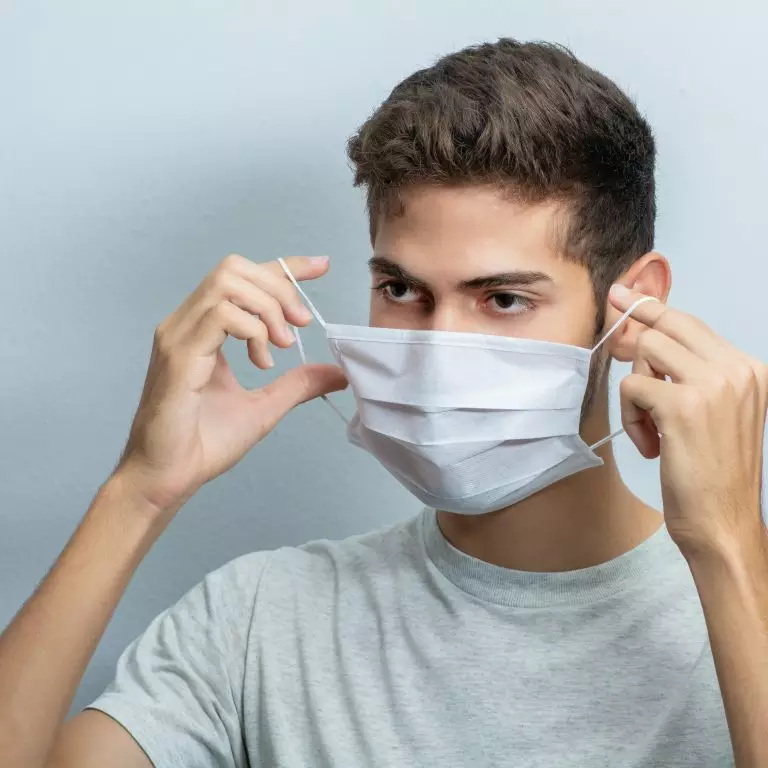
142	141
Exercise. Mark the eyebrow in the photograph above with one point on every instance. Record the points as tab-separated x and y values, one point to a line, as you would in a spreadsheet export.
385	266
518	277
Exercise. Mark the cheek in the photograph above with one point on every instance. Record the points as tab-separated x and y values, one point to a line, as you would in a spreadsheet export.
577	324
375	312
379	313
383	314
565	322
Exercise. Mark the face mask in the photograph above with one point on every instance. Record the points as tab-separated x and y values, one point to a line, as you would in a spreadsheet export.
467	422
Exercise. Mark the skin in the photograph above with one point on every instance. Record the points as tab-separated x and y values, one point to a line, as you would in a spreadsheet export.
194	422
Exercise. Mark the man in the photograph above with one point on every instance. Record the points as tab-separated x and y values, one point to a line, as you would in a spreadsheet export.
509	187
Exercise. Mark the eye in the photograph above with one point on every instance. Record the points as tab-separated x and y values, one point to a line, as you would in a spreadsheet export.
509	303
397	291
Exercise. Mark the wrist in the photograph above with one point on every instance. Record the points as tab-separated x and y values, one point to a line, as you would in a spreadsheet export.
735	555
719	537
121	499
148	495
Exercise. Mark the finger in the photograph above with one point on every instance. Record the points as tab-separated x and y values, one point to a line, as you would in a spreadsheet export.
272	278
637	422
224	283
292	306
297	386
301	267
258	351
226	319
687	330
249	297
655	397
215	286
670	358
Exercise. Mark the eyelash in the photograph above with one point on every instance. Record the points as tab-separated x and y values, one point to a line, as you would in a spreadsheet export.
523	303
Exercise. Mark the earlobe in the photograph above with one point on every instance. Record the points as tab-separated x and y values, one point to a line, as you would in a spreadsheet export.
650	275
622	344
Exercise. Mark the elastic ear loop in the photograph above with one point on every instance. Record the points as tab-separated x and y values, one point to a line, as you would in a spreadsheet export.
299	344
600	343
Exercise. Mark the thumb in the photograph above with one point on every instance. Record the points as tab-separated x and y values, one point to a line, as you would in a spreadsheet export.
298	385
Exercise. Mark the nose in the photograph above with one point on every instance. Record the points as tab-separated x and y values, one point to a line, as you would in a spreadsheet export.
445	317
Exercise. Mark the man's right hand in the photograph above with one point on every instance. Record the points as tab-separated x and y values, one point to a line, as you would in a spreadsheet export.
195	421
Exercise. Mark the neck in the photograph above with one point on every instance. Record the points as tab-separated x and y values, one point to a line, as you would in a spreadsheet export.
583	520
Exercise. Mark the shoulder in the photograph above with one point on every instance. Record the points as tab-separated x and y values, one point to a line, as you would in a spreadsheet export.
300	587
313	570
378	552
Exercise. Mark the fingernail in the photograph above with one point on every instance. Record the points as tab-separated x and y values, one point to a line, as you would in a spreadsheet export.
619	291
304	312
318	259
270	361
288	333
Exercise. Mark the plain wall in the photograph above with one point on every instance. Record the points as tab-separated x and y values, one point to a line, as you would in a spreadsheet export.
140	142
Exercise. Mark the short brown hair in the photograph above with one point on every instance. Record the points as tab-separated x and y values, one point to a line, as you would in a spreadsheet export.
534	120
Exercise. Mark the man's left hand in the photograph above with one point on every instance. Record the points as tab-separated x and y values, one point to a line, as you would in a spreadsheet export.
700	404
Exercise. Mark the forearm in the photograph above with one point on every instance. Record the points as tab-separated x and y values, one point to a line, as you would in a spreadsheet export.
45	650
733	587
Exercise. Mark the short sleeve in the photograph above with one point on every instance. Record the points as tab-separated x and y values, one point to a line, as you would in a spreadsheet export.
178	688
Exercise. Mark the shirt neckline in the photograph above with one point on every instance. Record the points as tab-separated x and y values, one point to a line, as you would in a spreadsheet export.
531	589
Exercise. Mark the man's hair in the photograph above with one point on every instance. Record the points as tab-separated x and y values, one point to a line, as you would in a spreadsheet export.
536	122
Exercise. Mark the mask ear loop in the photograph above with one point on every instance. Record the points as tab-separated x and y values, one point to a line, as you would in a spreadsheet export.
312	308
299	344
597	346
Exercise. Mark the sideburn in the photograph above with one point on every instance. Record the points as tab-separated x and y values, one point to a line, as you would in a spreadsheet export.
599	368
600	365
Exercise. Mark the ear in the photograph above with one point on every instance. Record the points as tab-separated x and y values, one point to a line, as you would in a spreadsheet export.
650	275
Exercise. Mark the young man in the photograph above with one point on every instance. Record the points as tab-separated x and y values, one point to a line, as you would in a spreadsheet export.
544	615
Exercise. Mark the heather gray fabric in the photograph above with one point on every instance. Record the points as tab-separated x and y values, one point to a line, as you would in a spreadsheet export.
395	649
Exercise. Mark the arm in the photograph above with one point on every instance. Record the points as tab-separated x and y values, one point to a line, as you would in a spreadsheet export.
733	587
193	423
93	740
44	652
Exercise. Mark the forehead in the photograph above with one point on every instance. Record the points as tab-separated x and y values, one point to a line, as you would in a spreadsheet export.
460	232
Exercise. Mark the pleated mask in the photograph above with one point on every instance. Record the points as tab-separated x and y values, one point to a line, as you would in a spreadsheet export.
467	422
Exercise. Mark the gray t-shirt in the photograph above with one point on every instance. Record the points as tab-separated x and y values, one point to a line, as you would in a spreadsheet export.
396	649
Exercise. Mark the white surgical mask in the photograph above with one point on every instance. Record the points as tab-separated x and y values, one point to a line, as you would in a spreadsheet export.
467	422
